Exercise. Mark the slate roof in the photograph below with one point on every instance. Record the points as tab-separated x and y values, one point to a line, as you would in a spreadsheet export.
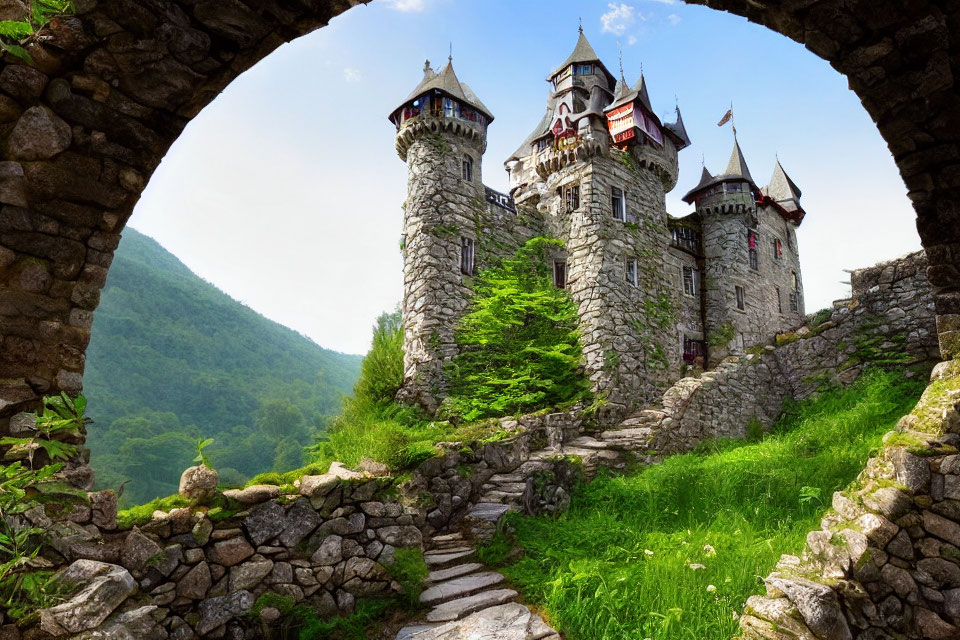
679	131
582	54
781	187
447	82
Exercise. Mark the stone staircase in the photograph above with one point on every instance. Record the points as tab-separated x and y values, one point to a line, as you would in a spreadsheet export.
469	601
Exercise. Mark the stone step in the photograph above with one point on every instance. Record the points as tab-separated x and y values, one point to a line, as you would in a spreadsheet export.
459	587
453	572
511	621
456	609
440	560
502	497
489	511
447	537
437	552
507	477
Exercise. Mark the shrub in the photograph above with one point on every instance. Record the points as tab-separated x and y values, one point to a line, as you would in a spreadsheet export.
381	372
410	571
519	343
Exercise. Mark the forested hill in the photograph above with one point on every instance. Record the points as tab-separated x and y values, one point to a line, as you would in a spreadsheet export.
173	358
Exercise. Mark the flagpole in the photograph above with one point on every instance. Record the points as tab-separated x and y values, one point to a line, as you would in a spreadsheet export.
733	122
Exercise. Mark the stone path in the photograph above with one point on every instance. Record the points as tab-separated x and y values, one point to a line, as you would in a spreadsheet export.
469	601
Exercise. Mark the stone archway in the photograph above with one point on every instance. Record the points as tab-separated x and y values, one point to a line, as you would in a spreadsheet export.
112	89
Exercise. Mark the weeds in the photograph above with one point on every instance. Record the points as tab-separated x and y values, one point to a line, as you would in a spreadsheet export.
618	563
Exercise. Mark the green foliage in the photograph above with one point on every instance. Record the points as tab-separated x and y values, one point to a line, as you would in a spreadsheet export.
58	418
15	34
819	318
203	443
304	623
721	336
142	514
519	343
496	552
172	359
410	570
25	582
617	564
381	372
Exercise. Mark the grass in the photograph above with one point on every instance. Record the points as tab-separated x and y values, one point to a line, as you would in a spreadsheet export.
621	563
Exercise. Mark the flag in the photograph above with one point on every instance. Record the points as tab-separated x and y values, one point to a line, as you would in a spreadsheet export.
726	118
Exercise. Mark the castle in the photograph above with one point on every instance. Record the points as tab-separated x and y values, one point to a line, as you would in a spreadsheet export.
656	295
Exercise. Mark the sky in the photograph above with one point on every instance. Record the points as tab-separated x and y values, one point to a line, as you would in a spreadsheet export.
285	191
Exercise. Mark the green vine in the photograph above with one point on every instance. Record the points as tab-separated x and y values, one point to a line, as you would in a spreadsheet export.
17	34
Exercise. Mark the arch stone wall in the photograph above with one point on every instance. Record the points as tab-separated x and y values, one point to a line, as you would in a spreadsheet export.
82	131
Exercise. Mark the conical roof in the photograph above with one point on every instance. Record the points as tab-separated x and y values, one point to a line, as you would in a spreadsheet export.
706	179
583	53
737	167
641	88
542	127
637	92
781	186
679	131
447	82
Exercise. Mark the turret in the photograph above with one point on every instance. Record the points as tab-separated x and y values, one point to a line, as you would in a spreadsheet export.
751	260
441	134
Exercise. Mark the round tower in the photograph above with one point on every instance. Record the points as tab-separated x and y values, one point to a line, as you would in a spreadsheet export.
441	135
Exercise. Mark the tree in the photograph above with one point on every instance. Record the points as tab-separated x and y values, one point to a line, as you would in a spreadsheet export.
519	343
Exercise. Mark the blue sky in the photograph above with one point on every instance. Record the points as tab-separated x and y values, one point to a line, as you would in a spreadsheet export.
285	192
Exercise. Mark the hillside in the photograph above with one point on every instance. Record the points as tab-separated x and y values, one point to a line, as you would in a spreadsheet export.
173	358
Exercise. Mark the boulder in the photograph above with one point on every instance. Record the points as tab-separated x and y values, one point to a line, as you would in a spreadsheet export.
817	604
265	521
137	624
196	582
38	135
137	550
230	552
199	483
505	622
104	587
254	494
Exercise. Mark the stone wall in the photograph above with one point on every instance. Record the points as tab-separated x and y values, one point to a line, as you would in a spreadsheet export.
886	560
890	319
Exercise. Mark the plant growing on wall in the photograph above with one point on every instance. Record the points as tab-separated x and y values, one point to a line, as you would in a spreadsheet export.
16	34
519	343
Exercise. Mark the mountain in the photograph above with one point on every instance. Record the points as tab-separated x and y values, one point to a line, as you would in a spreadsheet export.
172	359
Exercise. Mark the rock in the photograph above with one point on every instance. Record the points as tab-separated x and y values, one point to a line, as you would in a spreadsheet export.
329	552
942	528
878	529
456	609
137	550
817	604
230	552
137	624
945	573
363	568
339	470
899	580
201	531
38	135
103	509
301	520
889	502
913	472
265	522
196	582
105	587
199	483
459	587
505	622
933	627
217	611
318	486
407	536
345	526
373	468
23	82
254	494
249	574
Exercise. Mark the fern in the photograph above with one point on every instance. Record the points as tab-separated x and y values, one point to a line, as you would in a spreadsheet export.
14	34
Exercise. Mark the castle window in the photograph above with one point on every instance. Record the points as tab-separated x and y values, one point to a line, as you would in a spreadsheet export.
468	168
618	204
571	197
694	350
631	271
690	281
582	69
559	274
467	255
752	249
794	301
543	144
733	187
779	301
776	249
436	106
740	298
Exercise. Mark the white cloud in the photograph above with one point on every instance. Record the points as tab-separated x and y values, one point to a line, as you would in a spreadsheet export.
632	40
618	18
407	6
674	19
352	75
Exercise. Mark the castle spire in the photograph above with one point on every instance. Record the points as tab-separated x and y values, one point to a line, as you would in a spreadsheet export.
737	166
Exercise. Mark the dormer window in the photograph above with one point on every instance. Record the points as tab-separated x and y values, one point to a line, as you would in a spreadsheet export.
468	168
582	69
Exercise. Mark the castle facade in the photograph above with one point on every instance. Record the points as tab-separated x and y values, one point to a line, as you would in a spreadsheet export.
657	295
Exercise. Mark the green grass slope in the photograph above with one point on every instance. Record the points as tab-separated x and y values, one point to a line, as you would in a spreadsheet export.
673	551
172	357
